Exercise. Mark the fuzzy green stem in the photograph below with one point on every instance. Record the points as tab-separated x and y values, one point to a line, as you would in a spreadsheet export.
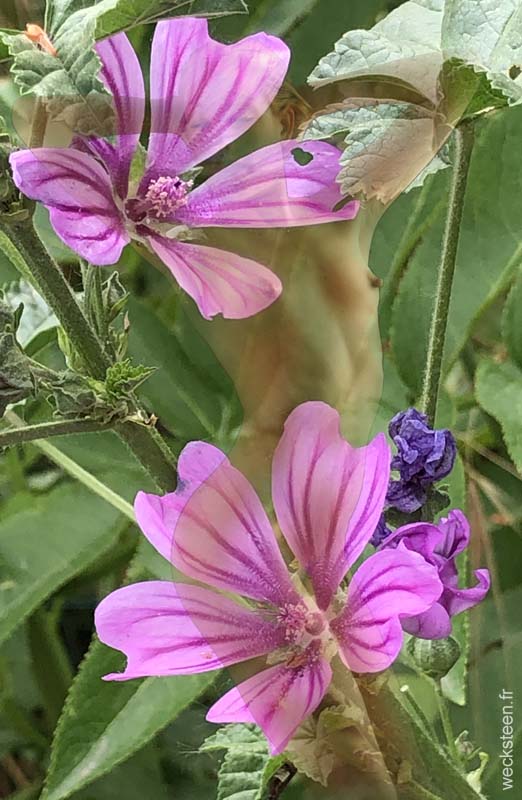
44	430
445	719
26	251
51	284
439	321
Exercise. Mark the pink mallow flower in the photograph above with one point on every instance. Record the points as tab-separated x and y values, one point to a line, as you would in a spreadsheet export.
204	95
328	497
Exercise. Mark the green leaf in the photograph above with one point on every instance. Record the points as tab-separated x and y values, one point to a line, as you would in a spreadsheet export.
63	533
404	46
247	766
487	36
190	393
498	389
281	17
388	145
512	321
103	723
490	250
118	15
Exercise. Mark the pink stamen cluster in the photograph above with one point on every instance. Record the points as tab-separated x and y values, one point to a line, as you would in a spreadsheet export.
166	195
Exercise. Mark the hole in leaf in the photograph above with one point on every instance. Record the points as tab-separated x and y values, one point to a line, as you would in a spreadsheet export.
301	156
514	72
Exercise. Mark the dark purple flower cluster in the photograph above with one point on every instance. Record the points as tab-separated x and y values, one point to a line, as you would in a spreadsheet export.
424	456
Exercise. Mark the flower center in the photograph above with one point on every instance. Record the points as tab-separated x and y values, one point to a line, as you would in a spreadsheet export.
300	623
165	195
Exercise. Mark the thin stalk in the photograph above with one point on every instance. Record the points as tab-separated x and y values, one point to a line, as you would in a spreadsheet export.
51	664
92	284
446	723
78	472
44	430
39	124
439	321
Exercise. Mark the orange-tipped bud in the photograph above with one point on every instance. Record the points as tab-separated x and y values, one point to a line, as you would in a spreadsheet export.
39	37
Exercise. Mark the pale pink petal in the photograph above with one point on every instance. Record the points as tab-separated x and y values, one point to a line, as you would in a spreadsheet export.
177	629
218	281
205	94
272	187
389	585
219	531
278	700
328	496
77	191
122	76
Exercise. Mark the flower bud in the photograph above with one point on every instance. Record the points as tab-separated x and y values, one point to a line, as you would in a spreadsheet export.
435	657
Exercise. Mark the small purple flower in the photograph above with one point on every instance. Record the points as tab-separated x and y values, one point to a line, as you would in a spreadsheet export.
440	544
424	456
204	95
327	498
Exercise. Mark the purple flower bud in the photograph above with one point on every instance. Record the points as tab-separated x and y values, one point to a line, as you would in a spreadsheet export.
423	454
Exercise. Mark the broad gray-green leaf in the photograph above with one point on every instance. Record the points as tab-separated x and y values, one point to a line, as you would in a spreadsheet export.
405	45
490	250
104	723
63	533
512	321
387	146
68	80
247	766
498	389
487	34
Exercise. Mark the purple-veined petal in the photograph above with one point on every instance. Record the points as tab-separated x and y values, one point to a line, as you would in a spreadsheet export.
219	282
178	629
278	700
328	496
205	94
122	76
272	187
219	531
77	191
388	586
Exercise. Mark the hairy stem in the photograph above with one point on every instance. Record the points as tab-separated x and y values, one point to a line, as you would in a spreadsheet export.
446	723
44	430
51	284
26	251
439	321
